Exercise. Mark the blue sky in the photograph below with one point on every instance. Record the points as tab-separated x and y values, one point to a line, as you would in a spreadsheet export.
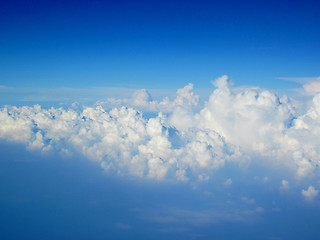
159	120
149	44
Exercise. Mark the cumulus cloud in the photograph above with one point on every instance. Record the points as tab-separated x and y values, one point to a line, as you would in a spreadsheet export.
228	182
120	139
141	99
284	184
310	193
259	122
250	117
312	87
235	125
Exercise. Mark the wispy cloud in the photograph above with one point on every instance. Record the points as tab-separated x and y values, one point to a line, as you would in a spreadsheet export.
123	226
302	80
86	96
248	200
311	85
176	216
2	87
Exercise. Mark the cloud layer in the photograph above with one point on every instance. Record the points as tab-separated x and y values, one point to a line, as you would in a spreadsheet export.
235	125
121	139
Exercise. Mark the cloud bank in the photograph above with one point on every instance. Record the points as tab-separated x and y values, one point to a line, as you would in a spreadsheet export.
235	125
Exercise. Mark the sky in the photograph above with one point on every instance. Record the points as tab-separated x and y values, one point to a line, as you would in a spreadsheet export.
159	119
149	44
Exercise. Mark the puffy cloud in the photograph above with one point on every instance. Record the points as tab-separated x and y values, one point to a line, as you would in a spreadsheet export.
312	87
120	139
310	193
203	178
235	125
228	182
250	118
284	184
141	99
260	123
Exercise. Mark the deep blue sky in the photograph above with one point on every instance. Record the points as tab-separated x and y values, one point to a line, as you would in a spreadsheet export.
153	44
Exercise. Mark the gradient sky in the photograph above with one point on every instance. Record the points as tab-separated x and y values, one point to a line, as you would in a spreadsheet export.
152	44
159	120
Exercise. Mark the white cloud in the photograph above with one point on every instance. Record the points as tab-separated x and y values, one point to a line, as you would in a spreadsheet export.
259	122
203	177
235	125
203	217
248	200
310	193
250	118
142	100
121	139
302	80
228	182
312	87
284	184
